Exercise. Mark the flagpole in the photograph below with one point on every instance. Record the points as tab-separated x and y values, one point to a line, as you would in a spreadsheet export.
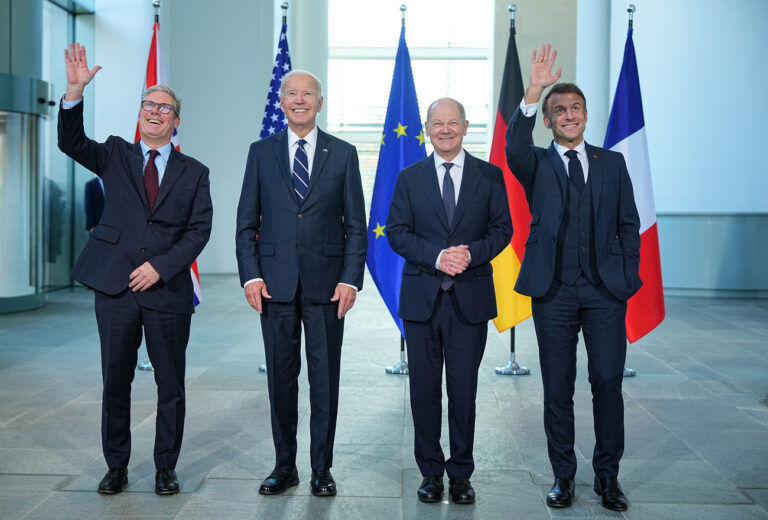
512	368
401	367
630	372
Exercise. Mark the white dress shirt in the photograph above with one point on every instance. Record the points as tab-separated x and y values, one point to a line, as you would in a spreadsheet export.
456	173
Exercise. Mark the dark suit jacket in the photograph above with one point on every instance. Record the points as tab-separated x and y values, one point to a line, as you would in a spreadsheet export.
129	234
417	229
94	203
321	242
542	174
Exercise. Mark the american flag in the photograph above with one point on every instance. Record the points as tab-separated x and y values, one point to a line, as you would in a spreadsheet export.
274	119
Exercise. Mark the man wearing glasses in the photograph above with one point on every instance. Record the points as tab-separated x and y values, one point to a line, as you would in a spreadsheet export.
156	221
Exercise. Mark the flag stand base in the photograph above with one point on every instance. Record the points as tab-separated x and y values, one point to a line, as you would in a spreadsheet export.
146	366
629	372
401	367
263	368
512	368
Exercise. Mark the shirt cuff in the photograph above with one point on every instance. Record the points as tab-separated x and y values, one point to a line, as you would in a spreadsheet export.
251	281
528	110
350	285
66	105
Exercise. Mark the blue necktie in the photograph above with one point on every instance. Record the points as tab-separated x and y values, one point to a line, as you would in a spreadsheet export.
575	171
300	172
449	194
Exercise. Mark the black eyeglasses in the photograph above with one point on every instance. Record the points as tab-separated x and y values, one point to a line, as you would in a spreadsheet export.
163	108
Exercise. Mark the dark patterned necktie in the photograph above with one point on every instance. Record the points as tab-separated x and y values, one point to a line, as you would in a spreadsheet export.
449	193
300	172
151	180
575	171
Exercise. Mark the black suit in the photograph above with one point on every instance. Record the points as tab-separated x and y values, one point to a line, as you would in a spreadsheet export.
453	324
94	203
302	251
169	237
580	266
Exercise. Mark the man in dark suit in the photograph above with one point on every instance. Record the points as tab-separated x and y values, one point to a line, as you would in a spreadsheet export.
94	203
448	218
156	221
301	243
580	268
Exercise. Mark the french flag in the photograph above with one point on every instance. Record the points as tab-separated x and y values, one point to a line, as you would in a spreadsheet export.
626	134
156	74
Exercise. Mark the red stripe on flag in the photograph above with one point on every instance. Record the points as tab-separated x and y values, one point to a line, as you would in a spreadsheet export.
645	310
518	205
151	78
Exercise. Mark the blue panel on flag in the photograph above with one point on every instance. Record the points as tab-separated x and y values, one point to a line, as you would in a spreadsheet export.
399	148
627	113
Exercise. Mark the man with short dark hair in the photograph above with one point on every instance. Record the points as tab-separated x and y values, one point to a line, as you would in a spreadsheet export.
301	243
156	221
448	218
580	267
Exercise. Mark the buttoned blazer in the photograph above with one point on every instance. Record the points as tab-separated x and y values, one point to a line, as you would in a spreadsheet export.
319	242
418	230
615	220
170	237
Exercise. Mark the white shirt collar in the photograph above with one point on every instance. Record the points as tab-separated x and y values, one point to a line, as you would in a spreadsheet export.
457	161
581	148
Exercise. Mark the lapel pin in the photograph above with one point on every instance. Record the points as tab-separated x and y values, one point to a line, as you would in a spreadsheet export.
595	156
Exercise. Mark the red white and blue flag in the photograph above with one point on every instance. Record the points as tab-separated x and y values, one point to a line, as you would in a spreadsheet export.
626	134
274	120
156	75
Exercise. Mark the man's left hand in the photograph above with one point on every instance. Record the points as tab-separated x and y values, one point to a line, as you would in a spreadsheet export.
143	277
345	295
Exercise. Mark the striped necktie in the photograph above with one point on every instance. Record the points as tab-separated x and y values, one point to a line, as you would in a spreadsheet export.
300	172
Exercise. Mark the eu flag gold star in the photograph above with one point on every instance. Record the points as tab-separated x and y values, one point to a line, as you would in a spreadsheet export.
382	139
379	230
420	137
400	130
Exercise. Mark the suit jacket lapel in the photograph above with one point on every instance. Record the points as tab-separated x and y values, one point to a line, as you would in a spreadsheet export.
557	164
172	174
135	169
470	179
281	156
321	156
595	175
431	189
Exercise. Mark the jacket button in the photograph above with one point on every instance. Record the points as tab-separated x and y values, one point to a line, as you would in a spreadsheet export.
142	249
149	222
299	216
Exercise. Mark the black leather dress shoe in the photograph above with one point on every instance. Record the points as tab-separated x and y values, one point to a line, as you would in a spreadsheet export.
166	482
461	490
613	497
278	481
114	481
562	492
431	489
322	484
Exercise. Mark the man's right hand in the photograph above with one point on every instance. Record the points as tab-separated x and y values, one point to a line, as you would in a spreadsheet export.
254	292
454	260
78	73
541	74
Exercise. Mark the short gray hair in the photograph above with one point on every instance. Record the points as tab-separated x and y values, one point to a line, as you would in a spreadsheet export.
167	90
462	112
299	72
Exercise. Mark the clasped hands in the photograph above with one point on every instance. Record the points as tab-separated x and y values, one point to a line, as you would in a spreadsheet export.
143	277
454	260
256	292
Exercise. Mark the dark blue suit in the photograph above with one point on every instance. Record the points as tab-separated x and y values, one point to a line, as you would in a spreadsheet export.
447	324
593	298
170	238
302	251
94	203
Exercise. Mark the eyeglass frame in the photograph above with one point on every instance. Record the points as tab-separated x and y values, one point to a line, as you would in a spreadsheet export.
147	105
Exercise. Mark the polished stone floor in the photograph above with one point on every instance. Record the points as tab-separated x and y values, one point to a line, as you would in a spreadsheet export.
696	421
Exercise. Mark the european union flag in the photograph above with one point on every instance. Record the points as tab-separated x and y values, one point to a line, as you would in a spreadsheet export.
402	144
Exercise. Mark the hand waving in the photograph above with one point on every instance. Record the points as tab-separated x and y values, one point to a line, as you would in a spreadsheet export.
78	73
541	73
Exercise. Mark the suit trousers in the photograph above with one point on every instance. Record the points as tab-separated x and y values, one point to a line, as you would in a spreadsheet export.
120	320
557	318
281	330
446	337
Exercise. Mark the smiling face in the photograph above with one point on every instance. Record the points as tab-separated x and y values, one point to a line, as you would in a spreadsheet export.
567	118
300	102
446	129
155	127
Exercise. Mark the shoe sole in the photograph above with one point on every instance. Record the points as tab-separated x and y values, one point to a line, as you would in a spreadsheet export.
430	500
323	493
113	491
462	501
556	505
168	492
266	491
